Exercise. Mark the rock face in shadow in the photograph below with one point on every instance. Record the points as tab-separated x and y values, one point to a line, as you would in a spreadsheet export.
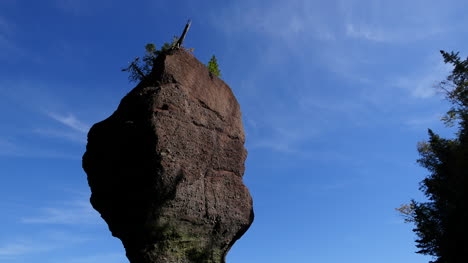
165	169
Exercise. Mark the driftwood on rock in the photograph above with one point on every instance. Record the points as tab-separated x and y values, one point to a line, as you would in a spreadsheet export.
181	39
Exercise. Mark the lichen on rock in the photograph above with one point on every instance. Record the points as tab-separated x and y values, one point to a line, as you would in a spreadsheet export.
165	169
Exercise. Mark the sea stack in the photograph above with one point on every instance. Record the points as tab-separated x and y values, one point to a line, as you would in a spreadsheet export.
165	169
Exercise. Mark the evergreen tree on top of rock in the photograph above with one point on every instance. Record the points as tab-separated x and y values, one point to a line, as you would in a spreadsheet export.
213	66
139	69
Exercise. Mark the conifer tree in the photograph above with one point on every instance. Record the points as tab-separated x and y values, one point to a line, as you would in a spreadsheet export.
441	223
140	69
213	66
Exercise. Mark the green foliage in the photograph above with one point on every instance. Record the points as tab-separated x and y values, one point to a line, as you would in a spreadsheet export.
438	221
139	69
456	88
213	66
441	223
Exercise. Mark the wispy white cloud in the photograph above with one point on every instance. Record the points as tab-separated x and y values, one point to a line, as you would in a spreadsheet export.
8	148
17	249
323	34
423	82
38	98
57	232
333	105
389	35
420	86
68	135
14	249
372	82
365	32
298	22
13	148
395	21
98	258
77	129
334	187
422	122
70	121
285	21
32	101
48	241
279	130
328	187
277	139
282	142
76	212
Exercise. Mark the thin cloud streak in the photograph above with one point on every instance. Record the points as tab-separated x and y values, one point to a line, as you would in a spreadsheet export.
72	213
14	249
364	32
48	241
99	258
298	19
420	123
280	130
7	148
386	35
384	26
20	248
423	84
70	121
395	21
301	21
72	136
13	149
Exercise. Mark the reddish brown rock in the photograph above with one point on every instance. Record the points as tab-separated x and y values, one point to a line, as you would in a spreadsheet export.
165	169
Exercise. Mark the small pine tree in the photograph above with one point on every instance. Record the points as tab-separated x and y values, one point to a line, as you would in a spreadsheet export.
213	66
140	69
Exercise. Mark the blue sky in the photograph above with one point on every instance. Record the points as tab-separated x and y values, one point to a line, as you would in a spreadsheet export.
334	95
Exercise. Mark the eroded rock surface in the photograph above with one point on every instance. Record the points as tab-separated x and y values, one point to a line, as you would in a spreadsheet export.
165	169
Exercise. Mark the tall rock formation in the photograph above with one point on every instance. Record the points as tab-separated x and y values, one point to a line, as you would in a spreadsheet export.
165	169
